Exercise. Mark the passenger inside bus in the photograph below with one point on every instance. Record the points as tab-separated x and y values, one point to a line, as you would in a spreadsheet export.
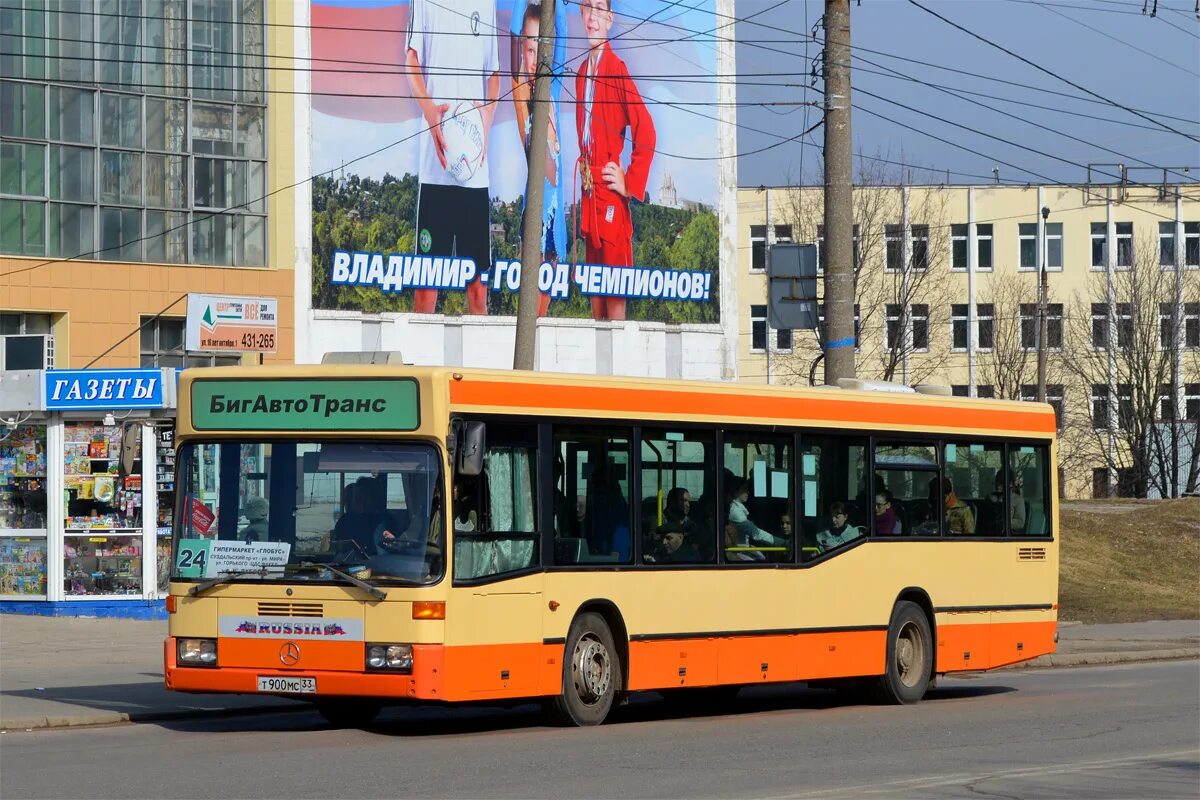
886	521
606	519
840	531
959	518
748	533
734	552
256	510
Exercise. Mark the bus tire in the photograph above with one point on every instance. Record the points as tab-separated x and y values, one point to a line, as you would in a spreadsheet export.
909	657
591	673
349	712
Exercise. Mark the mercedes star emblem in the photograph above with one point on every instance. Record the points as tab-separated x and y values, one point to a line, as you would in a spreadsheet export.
289	654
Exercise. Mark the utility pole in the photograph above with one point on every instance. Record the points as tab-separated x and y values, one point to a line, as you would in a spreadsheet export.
531	228
839	197
1043	291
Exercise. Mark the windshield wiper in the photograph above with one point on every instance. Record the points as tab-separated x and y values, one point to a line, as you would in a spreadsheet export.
377	593
226	577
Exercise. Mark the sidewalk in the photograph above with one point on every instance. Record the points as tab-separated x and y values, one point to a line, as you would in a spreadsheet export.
62	671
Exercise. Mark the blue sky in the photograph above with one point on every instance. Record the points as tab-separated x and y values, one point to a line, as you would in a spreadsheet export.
1107	46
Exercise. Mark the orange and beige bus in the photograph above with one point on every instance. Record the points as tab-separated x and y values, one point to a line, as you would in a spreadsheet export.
363	534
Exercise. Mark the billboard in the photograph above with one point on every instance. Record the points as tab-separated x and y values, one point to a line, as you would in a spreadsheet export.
421	124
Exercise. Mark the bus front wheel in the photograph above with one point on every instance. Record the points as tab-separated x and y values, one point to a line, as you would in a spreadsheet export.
591	673
909	656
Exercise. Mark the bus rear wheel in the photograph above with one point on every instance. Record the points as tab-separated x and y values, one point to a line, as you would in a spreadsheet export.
909	656
348	712
591	673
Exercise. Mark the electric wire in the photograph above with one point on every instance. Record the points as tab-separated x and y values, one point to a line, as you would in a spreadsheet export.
1040	68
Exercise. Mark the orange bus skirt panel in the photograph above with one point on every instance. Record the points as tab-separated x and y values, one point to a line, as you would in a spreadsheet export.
543	396
669	663
984	645
486	671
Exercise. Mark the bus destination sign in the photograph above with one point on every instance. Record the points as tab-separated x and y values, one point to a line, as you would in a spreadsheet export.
305	405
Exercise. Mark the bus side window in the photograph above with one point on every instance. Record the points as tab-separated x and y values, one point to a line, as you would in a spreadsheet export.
1030	487
835	506
679	501
494	515
596	475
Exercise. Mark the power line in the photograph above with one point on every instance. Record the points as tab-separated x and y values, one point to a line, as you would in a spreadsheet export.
1042	127
1040	68
1155	56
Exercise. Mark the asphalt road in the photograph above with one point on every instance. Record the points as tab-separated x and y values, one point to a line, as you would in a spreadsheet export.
1093	732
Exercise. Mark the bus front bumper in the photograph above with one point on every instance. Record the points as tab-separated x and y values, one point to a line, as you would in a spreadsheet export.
424	683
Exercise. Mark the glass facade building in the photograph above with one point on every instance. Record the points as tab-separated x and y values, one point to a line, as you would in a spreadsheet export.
134	130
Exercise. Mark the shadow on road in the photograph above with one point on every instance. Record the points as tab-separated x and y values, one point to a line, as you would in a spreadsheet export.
419	721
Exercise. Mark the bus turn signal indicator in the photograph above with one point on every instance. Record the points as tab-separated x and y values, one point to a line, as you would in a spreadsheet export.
429	609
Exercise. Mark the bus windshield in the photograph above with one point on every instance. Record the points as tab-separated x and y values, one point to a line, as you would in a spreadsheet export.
288	510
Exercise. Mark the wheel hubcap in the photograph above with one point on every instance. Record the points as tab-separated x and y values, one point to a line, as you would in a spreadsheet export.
910	655
591	669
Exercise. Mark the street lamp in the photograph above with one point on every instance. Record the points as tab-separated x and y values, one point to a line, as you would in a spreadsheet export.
1043	291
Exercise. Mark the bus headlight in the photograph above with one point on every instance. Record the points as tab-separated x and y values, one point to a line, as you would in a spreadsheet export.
393	657
197	652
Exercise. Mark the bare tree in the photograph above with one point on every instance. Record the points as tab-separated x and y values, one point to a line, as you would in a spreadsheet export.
1010	364
914	290
1120	353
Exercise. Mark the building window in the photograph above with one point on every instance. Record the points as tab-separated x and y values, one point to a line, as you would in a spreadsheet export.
1166	325
958	247
1166	244
892	331
783	339
1054	246
758	248
116	155
893	237
920	248
1124	326
783	234
758	328
959	243
1166	403
1191	244
958	326
983	247
985	319
1125	406
1054	396
1029	325
1099	245
17	324
1100	326
162	345
1124	244
1191	325
960	390
918	327
1027	236
1191	401
986	391
1099	406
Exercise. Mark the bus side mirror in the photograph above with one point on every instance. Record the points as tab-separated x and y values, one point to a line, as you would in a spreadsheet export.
471	445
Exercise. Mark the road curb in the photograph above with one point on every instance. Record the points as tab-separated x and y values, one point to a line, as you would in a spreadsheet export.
1101	658
120	717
